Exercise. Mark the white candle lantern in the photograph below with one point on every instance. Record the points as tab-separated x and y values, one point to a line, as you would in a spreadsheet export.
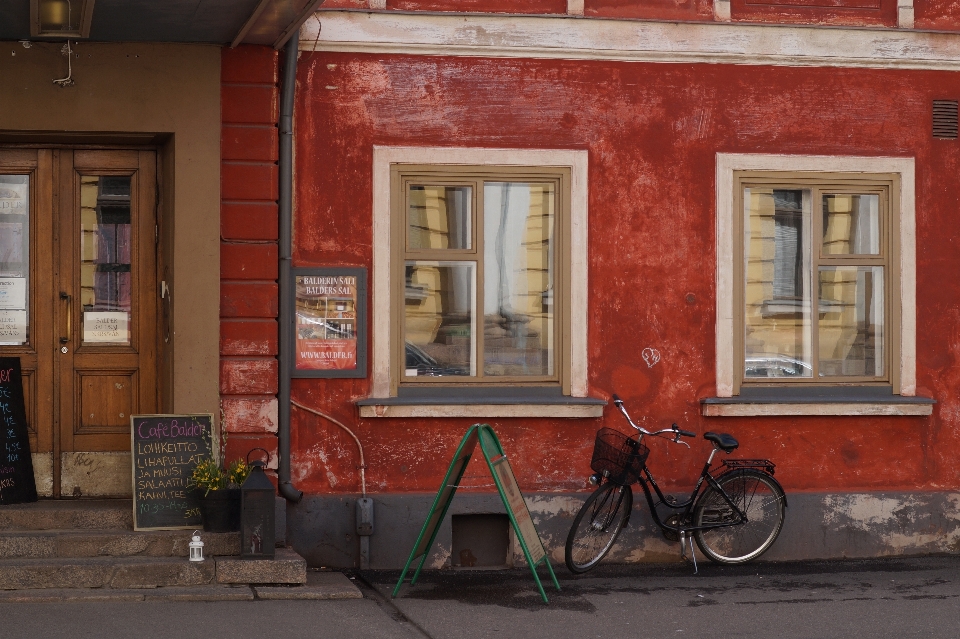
196	548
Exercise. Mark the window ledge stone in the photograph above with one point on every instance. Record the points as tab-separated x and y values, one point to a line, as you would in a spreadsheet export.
562	407
815	406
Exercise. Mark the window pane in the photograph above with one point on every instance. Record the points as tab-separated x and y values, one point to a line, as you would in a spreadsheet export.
777	333
518	256
14	259
851	321
439	217
105	284
851	224
439	318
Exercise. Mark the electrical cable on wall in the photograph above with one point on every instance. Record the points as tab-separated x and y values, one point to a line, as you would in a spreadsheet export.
67	81
363	465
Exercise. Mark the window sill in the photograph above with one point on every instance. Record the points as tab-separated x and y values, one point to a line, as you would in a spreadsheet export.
453	406
835	402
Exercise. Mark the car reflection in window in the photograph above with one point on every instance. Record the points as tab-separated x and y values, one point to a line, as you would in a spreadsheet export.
425	365
766	365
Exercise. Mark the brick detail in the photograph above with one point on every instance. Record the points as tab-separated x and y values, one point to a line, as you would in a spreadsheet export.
249	181
249	143
249	64
256	415
249	221
245	104
248	376
248	337
238	445
249	299
248	249
248	261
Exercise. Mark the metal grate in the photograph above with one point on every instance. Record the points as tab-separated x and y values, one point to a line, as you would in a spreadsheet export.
945	119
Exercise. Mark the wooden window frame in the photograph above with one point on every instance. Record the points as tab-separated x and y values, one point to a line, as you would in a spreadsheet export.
475	176
887	186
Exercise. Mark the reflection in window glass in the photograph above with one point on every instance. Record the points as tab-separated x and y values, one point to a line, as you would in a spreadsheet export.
439	217
105	252
439	318
851	321
14	259
851	224
518	320
777	323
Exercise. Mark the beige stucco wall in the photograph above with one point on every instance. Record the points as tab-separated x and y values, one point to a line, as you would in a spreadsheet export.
169	90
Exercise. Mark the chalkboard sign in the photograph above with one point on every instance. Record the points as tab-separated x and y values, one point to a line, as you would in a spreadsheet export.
166	449
17	484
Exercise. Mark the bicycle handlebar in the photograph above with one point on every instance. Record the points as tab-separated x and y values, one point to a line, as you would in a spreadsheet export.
673	430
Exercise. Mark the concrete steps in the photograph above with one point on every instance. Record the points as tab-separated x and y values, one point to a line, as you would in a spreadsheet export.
74	550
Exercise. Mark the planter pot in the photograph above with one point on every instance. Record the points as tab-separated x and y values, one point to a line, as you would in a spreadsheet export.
221	510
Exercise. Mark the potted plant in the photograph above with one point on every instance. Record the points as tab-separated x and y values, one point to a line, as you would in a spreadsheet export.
219	493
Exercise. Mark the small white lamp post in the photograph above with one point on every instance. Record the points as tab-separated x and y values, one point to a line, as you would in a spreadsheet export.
196	548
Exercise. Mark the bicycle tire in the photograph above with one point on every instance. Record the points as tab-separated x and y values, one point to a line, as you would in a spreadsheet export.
755	493
597	525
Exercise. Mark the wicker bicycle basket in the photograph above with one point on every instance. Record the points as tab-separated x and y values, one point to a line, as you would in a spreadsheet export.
617	457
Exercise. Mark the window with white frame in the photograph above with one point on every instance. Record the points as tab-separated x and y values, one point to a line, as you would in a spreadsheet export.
479	274
815	271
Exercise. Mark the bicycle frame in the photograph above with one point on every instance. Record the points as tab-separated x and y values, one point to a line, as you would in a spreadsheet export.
686	507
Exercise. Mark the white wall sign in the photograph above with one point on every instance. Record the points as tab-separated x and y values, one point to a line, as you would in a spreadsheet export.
13	292
106	328
13	327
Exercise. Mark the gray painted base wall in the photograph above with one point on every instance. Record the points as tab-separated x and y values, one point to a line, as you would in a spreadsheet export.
818	526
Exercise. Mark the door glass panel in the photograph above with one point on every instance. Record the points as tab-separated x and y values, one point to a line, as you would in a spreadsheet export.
14	259
777	232
518	283
439	319
105	284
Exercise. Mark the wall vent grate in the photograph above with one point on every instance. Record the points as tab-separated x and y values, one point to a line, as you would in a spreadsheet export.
945	119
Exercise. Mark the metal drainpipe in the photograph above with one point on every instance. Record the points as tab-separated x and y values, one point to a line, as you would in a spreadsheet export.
287	92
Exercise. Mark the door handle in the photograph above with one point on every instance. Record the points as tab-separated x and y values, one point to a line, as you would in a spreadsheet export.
66	297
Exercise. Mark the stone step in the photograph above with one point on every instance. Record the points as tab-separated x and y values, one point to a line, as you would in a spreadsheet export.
83	514
104	572
26	544
149	572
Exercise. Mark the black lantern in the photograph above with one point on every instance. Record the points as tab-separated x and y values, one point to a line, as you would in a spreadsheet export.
257	514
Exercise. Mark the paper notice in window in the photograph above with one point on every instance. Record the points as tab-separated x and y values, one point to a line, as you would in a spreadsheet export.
106	328
13	293
13	327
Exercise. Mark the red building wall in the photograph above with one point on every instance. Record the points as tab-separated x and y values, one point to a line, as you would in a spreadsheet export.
652	132
248	249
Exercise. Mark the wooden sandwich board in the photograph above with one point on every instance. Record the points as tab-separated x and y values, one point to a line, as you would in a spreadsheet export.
509	492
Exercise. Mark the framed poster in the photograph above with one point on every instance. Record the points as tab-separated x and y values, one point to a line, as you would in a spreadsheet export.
330	322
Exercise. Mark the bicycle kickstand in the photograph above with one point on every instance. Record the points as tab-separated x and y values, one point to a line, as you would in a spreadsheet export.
684	538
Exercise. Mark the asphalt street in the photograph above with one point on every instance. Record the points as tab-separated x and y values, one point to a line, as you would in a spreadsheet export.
900	597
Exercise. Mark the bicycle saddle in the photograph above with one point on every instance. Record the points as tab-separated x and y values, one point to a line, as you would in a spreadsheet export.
724	442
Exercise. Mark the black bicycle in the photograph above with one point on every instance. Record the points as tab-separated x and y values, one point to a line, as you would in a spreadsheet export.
734	513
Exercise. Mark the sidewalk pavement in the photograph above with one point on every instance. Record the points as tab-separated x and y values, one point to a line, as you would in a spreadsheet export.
895	597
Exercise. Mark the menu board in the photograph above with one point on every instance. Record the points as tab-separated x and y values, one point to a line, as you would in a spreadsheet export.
17	484
166	449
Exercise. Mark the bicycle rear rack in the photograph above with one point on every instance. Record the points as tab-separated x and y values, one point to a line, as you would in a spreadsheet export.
765	465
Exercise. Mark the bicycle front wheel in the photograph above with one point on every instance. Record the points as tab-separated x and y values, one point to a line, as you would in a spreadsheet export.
757	495
595	529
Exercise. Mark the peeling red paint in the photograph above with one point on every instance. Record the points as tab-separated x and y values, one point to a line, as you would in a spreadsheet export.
943	15
250	414
651	9
652	132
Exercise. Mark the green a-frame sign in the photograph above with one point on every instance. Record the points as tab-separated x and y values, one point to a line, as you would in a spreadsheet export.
509	491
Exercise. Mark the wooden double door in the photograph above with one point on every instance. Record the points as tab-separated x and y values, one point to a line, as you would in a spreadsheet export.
78	306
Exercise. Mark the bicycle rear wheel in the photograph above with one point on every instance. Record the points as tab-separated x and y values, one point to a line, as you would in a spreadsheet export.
760	497
596	526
